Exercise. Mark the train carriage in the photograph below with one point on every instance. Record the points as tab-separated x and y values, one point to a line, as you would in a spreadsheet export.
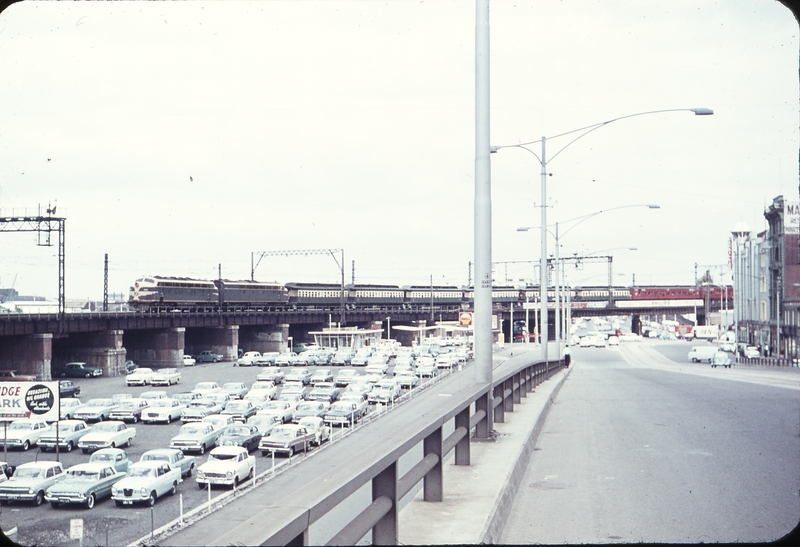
252	292
374	294
421	294
173	291
315	293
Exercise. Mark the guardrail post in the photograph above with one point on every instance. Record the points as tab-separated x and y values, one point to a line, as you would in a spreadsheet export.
516	382
483	429
385	484
508	395
524	378
433	481
462	448
499	410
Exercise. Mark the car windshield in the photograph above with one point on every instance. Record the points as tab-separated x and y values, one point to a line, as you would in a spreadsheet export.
206	385
84	474
99	402
236	406
26	473
307	406
275	404
202	404
237	430
102	457
282	433
161	402
107	426
341	406
21	425
232	386
128	405
221	457
141	471
191	429
154	457
65	428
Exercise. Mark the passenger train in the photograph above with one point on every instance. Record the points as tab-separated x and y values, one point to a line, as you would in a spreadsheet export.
159	291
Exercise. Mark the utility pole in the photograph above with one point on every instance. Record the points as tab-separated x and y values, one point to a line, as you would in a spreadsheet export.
105	283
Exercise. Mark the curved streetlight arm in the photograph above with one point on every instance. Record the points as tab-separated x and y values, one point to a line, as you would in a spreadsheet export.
583	218
590	128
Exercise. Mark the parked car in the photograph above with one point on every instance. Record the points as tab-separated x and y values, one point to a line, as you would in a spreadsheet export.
199	409
267	359
84	484
176	458
342	358
309	408
115	457
68	389
345	377
294	391
249	358
324	391
226	465
130	410
321	375
130	366
95	410
281	409
219	421
240	410
15	376
146	482
244	435
69	433
189	361
165	377
266	388
316	425
139	377
195	437
236	390
384	392
107	435
68	407
79	370
345	412
751	352
163	410
274	375
287	439
117	398
208	357
154	395
264	422
186	397
407	379
204	388
219	397
30	481
301	375
285	359
24	433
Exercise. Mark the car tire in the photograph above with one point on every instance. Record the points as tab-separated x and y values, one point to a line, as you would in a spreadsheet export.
235	482
291	451
55	504
174	488
87	375
151	501
191	470
201	486
252	472
130	442
118	503
85	450
69	446
135	419
202	449
26	445
37	501
90	501
113	445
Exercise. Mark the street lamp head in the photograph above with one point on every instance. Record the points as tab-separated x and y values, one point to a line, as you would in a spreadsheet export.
651	206
523	228
702	111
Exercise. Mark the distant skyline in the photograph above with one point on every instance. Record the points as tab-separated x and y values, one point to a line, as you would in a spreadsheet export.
181	136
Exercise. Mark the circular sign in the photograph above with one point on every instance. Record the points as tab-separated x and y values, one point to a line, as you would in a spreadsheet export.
465	318
40	399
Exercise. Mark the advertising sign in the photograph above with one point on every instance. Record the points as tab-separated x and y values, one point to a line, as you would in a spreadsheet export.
791	217
29	400
465	319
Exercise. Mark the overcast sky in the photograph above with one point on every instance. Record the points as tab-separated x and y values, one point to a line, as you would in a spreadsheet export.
179	136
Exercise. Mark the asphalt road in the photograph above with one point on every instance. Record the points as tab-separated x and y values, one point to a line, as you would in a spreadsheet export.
47	526
641	446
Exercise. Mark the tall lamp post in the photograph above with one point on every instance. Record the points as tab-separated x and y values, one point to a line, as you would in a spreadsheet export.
740	233
543	161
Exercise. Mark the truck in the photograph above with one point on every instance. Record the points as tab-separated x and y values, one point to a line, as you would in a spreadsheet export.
706	332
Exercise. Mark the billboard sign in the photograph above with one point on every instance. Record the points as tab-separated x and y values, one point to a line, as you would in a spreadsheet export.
29	400
791	217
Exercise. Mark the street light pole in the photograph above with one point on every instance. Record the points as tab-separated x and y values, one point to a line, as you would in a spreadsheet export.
543	162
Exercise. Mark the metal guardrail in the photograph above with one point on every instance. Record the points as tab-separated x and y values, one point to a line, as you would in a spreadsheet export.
770	361
308	494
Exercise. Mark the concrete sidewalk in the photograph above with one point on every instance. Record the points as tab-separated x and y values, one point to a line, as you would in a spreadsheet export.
477	497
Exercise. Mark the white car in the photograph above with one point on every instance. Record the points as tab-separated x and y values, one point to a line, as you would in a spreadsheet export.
316	425
219	421
264	422
265	388
249	358
407	379
163	410
751	352
24	433
146	481
189	361
282	409
150	396
165	377
107	435
285	359
384	392
68	407
205	388
139	377
226	465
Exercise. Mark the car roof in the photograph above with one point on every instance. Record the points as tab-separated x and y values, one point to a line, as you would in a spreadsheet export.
91	466
148	463
39	465
228	450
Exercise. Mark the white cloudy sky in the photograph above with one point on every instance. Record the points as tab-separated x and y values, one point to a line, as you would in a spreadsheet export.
179	136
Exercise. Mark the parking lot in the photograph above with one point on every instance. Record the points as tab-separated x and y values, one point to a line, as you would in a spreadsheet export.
44	525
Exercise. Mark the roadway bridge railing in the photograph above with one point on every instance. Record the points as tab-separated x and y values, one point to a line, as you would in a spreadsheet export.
769	361
283	510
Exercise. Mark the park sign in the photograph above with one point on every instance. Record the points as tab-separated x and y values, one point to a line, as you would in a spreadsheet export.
20	400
